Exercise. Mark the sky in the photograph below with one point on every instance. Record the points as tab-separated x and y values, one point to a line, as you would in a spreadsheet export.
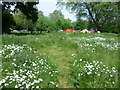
48	6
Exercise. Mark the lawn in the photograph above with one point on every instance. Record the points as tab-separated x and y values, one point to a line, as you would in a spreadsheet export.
59	60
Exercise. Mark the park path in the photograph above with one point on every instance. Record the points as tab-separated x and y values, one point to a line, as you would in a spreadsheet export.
62	58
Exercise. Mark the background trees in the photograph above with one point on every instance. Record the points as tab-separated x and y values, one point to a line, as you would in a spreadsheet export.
81	24
7	20
57	17
22	22
27	8
54	22
100	15
66	24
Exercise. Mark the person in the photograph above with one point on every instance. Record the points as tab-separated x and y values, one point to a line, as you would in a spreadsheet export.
91	30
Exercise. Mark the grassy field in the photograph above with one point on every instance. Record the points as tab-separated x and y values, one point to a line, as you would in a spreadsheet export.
59	60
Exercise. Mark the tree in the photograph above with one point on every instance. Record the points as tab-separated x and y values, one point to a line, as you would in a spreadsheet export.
66	24
22	22
7	20
27	8
99	13
80	24
40	13
55	21
57	16
43	23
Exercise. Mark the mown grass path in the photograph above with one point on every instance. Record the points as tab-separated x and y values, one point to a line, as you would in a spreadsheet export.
63	66
61	58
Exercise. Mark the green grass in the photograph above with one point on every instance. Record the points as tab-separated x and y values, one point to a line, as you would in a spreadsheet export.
60	60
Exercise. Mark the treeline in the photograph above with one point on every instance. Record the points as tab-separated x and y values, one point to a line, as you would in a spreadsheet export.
102	16
54	22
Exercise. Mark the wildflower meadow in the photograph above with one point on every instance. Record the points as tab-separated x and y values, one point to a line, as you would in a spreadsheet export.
59	60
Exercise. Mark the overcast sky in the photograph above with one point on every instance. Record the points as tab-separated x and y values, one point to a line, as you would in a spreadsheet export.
48	6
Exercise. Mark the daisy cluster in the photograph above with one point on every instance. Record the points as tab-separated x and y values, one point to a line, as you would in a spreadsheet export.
94	72
97	41
10	50
31	74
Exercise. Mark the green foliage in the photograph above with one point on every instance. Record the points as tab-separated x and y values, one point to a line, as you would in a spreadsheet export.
79	60
56	16
66	24
7	20
43	23
27	8
22	22
101	15
54	22
80	24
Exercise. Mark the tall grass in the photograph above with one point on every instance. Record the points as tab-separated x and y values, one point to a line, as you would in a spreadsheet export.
36	61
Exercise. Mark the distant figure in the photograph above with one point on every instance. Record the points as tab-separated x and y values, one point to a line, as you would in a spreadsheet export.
92	30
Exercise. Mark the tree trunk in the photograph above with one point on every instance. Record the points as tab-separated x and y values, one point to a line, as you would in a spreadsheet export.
97	27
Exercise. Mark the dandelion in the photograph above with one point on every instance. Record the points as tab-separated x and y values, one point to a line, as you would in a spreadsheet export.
24	64
2	81
80	59
56	71
89	66
79	74
32	83
51	75
73	55
6	84
24	76
52	82
27	85
111	75
89	73
98	74
56	85
113	82
6	77
6	70
114	70
21	79
34	76
19	85
33	87
36	81
16	86
37	87
16	76
40	79
23	83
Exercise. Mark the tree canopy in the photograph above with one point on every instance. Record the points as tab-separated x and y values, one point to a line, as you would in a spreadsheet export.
98	13
27	8
54	22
